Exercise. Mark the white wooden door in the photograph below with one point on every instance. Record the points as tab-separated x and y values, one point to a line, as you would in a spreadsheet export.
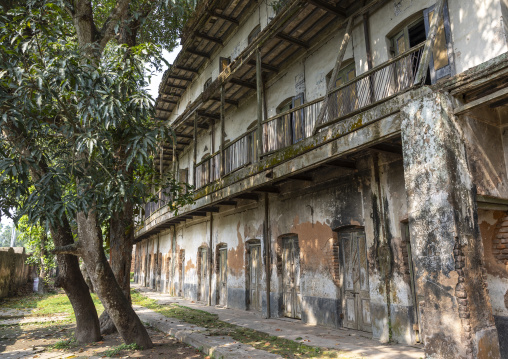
255	277
223	280
291	278
356	281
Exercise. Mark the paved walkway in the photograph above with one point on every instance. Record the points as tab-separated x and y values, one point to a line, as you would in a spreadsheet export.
356	342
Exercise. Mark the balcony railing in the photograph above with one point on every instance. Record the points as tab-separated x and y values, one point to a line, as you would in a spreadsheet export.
153	206
373	86
290	127
240	152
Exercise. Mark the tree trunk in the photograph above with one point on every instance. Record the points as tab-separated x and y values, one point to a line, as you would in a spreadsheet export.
107	288
71	280
121	238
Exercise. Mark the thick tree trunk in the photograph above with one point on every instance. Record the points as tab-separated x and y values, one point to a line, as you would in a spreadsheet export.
107	288
71	280
121	237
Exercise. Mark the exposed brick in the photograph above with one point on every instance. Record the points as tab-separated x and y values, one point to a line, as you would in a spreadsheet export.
463	302
501	246
464	315
503	229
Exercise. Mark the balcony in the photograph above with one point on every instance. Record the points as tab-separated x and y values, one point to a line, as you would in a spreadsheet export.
289	135
290	127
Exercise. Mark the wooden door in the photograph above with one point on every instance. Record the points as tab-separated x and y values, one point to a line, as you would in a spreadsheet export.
356	281
168	274
291	296
202	273
182	272
255	277
223	280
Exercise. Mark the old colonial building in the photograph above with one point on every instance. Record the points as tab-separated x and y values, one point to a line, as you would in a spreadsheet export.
349	160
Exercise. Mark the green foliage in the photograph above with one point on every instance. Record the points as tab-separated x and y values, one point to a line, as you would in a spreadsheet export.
122	347
66	344
46	304
263	341
36	241
77	133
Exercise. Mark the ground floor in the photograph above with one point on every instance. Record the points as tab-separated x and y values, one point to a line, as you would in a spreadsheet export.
404	242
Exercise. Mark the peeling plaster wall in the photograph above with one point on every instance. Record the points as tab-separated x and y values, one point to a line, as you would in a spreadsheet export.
485	152
490	222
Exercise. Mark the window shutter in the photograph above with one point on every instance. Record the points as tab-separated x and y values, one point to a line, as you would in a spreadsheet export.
297	118
441	61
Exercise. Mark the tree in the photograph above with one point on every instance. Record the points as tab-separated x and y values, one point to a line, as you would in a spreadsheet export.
79	130
37	242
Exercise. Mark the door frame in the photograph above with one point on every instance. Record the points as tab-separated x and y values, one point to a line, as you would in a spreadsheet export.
341	232
220	247
248	284
280	266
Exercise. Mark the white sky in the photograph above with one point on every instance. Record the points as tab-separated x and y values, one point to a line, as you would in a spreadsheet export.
156	78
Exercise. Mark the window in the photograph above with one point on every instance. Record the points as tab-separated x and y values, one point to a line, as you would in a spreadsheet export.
344	100
441	61
254	33
293	122
207	83
416	32
224	63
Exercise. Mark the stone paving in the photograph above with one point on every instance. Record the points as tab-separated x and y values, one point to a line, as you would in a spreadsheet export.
356	342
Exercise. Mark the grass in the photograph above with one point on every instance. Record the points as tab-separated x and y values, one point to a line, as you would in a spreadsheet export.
122	347
47	304
66	344
283	347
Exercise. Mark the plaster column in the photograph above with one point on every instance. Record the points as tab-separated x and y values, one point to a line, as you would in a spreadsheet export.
455	308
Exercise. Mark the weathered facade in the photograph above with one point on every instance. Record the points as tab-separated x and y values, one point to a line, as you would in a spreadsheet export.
349	160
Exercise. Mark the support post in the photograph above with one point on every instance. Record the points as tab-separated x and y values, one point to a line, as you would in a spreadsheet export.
259	92
222	139
210	261
456	314
338	64
366	32
195	138
429	43
268	261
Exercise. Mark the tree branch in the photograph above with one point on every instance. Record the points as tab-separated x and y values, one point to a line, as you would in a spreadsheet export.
108	29
74	249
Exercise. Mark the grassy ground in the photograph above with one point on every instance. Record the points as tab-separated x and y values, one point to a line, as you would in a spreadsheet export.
47	304
283	347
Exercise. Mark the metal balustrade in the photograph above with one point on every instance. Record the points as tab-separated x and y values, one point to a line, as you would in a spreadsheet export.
290	126
373	86
285	129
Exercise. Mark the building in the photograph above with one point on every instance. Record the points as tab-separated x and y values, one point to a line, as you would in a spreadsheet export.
350	168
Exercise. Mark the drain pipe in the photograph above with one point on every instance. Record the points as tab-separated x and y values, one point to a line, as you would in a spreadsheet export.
210	261
267	257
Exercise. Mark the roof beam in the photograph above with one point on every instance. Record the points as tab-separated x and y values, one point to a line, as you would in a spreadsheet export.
200	125
328	7
199	214
224	17
292	40
211	209
242	83
208	38
301	178
227	203
176	86
385	147
198	53
188	69
265	66
250	196
268	188
190	137
228	101
177	77
341	163
208	115
171	94
167	101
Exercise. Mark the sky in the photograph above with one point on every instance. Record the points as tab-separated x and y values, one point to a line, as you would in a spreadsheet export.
156	79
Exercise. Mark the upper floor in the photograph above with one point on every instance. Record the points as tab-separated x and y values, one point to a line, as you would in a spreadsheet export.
255	78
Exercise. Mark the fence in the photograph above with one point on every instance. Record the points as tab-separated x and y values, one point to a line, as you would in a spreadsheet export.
378	84
290	127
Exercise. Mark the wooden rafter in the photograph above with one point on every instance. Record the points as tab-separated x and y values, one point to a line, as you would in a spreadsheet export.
328	7
182	78
198	53
265	66
242	83
224	17
292	40
208	37
188	69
